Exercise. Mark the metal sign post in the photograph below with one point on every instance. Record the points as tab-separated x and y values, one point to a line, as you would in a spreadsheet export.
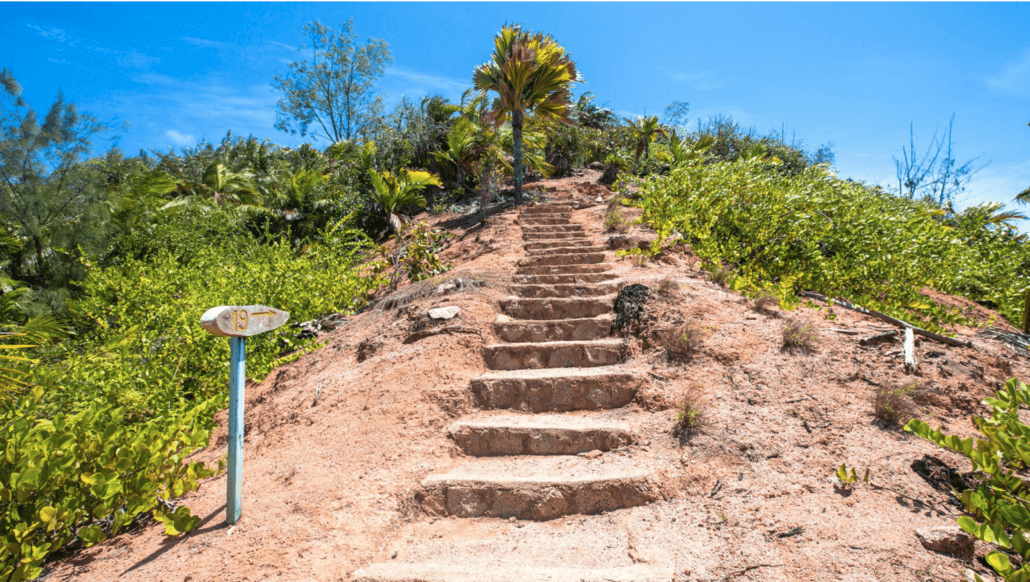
238	322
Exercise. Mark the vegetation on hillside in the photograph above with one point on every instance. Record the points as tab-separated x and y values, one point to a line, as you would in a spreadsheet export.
107	260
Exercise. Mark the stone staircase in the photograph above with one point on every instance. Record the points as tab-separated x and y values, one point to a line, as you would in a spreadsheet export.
542	404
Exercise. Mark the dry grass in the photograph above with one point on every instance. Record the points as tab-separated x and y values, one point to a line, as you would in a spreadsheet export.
682	343
724	276
892	405
766	301
667	286
615	222
640	260
799	336
691	414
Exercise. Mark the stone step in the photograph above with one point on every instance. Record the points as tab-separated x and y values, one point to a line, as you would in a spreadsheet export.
556	389
538	434
401	572
537	488
547	244
563	279
551	228
548	236
567	290
524	215
575	354
544	220
557	307
569	259
563	248
547	209
564	269
560	330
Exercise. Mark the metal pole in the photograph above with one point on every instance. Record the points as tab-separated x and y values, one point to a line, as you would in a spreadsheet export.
237	378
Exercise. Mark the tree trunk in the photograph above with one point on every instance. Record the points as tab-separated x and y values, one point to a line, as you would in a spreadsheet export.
516	135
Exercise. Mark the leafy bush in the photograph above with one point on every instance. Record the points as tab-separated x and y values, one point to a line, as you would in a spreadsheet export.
892	404
812	231
414	253
998	506
799	336
614	222
104	436
74	480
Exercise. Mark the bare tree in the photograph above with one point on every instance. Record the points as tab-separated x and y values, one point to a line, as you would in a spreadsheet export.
935	174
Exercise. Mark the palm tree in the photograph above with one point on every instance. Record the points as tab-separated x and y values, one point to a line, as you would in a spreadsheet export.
390	194
645	131
529	73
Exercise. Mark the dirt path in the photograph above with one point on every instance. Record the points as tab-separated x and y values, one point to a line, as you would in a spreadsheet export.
539	446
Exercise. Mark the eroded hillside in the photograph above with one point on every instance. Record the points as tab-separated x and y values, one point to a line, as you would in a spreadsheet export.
410	448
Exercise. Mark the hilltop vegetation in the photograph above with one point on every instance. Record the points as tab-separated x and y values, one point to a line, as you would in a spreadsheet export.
108	260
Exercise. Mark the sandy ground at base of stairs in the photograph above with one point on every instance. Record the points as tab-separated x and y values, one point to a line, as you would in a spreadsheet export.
336	447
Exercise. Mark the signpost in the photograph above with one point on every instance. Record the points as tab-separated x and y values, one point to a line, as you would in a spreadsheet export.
238	322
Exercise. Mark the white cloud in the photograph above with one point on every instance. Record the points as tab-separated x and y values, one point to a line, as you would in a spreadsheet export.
407	82
700	81
207	43
55	34
130	59
57	61
1014	77
179	138
281	45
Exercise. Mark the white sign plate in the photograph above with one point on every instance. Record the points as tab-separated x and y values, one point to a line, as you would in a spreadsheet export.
242	320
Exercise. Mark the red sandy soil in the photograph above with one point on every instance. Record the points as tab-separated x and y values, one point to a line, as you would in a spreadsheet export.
329	483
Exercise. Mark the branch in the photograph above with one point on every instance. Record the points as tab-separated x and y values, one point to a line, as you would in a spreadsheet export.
893	321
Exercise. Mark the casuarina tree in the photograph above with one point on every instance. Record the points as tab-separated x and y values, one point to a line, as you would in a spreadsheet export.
531	73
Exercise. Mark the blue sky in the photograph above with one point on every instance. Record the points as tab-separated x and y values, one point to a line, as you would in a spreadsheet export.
854	75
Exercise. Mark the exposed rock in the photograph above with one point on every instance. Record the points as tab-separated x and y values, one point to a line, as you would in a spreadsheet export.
948	539
627	241
449	312
451	329
596	166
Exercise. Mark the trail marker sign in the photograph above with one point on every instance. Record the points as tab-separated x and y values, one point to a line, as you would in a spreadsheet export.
238	322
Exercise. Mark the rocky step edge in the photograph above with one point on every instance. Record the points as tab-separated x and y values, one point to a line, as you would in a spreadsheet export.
556	389
537	488
538	434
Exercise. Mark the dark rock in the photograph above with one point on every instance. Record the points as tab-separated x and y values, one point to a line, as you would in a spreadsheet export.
948	539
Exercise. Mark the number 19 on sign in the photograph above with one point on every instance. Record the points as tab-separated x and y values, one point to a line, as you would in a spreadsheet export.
238	323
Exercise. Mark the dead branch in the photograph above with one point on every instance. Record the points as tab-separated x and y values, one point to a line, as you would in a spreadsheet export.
884	317
878	337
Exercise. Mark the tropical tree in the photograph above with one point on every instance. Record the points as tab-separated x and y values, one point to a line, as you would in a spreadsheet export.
645	131
680	153
530	73
219	184
49	199
391	194
334	92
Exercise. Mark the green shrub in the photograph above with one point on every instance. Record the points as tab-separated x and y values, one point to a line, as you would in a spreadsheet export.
614	222
998	507
104	437
810	230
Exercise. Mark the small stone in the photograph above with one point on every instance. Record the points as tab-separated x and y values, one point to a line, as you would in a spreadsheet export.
393	556
948	539
595	166
512	519
448	312
599	199
446	288
592	454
